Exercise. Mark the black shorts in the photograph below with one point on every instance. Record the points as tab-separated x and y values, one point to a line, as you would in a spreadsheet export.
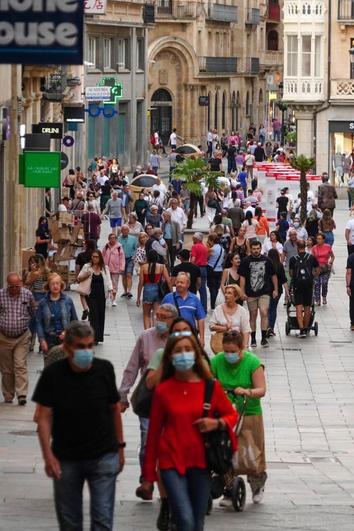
303	295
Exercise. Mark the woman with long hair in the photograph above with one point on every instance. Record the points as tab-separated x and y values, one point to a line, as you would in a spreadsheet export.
150	278
230	274
325	257
312	223
101	289
263	228
215	267
251	225
327	225
240	244
140	253
273	242
274	257
177	408
43	237
35	281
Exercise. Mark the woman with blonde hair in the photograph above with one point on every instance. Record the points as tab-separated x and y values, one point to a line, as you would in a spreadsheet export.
34	281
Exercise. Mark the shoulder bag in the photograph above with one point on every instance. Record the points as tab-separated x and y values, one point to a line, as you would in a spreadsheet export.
176	303
216	340
84	286
218	446
141	398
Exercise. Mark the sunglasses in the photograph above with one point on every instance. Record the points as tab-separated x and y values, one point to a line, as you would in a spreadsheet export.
185	333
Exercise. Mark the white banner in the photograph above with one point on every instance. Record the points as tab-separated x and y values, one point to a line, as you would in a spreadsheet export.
98	93
95	7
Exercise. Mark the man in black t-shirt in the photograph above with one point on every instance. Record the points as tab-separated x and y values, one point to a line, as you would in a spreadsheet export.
259	281
80	430
302	269
282	203
187	267
349	277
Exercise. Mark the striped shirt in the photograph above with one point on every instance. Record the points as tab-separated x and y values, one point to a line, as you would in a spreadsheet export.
16	312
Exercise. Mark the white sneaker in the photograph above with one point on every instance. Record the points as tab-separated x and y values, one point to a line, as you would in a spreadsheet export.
258	496
225	502
114	303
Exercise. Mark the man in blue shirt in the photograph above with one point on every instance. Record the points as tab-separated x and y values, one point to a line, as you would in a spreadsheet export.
242	179
188	305
129	244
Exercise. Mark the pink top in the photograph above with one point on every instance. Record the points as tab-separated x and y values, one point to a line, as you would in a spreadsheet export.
322	253
114	258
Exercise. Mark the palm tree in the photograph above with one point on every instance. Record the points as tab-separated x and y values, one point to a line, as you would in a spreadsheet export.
303	164
192	170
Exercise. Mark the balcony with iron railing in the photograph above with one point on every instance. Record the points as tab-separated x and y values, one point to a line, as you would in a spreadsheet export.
177	9
253	17
346	11
218	65
222	13
304	89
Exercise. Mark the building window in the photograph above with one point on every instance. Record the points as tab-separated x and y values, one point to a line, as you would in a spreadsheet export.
272	41
140	49
92	52
107	54
223	111
292	55
123	54
306	56
216	109
318	41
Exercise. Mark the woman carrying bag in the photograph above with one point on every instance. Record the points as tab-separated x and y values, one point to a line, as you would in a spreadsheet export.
241	374
216	255
177	408
100	289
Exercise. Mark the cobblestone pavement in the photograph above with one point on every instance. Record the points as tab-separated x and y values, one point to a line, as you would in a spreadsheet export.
309	419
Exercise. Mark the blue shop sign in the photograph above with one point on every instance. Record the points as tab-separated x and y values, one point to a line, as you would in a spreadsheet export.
41	31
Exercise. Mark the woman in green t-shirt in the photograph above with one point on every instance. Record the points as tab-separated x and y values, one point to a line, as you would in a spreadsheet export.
241	374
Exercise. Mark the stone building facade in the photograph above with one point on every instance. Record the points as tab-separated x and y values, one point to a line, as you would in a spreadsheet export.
230	51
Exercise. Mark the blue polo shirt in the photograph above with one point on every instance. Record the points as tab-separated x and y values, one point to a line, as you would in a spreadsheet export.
191	308
129	245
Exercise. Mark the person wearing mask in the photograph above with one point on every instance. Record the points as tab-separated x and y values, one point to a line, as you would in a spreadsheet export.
129	244
114	210
302	268
325	258
259	282
274	257
300	230
187	267
327	194
177	408
241	375
188	305
101	289
91	222
43	237
141	207
172	236
114	259
216	255
79	447
199	257
54	313
327	225
151	275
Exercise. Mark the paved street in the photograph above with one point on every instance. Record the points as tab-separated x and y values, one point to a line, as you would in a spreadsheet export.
309	419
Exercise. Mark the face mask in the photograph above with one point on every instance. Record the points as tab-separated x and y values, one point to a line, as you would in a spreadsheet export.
161	327
232	357
296	225
83	358
183	361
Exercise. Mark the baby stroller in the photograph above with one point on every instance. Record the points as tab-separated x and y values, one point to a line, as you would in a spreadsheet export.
230	484
292	324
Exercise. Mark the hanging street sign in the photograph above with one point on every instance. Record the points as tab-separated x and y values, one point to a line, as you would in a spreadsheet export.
98	93
55	130
116	89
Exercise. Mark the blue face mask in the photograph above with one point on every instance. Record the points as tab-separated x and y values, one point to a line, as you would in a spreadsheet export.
83	358
161	327
232	357
183	361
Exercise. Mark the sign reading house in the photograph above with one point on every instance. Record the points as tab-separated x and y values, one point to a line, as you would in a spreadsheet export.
41	31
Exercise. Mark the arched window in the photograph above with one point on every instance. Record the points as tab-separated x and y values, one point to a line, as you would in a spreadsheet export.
233	111
209	105
223	111
273	40
161	95
216	108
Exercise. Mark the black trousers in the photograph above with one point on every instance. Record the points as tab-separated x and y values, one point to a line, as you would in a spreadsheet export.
213	281
351	309
97	309
171	254
350	249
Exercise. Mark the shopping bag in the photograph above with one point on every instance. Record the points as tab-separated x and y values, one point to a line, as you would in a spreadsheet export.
216	344
83	287
250	456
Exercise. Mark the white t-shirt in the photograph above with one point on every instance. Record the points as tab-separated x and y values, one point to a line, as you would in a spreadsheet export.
239	320
173	139
161	188
210	136
179	216
350	227
102	179
267	246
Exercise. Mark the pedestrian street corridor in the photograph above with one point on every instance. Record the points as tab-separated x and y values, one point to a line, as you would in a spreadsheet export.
309	429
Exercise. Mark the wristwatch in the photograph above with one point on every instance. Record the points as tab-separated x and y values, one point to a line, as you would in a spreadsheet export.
122	445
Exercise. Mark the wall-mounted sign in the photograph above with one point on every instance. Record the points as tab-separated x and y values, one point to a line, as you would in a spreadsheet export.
41	169
68	141
95	7
107	111
64	160
37	142
339	126
115	88
55	130
204	101
74	114
41	32
98	93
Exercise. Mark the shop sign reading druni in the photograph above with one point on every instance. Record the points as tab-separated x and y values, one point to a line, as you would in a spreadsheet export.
41	31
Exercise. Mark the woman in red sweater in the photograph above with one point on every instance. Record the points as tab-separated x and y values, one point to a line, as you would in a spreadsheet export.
175	442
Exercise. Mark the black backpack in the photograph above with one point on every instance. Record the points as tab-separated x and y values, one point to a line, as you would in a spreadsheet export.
302	270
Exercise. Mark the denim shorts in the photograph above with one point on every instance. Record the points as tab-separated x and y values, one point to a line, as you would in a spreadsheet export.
129	266
151	293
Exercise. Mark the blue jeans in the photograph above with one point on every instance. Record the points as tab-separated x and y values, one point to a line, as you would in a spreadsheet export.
203	290
188	497
272	312
144	426
101	475
38	296
231	164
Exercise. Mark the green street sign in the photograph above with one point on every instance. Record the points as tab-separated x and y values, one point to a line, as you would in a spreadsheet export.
42	169
116	89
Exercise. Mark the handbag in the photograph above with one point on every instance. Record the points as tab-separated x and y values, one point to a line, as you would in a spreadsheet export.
83	287
218	446
163	288
141	398
216	342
